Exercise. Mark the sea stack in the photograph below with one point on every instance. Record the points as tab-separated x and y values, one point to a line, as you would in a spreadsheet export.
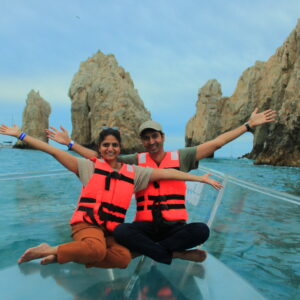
103	94
272	84
35	118
204	125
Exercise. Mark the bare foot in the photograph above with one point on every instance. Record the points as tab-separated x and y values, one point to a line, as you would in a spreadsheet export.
39	251
50	259
196	255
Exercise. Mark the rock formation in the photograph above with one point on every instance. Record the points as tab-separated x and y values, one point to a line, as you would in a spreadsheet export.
204	124
272	84
35	118
103	94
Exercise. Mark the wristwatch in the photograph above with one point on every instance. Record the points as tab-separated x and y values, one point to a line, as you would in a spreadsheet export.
248	127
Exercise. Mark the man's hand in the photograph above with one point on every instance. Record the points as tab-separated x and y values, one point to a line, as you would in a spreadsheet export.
61	137
214	183
266	116
13	131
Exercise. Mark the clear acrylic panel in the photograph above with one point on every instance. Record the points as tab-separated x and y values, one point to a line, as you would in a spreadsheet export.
256	232
249	234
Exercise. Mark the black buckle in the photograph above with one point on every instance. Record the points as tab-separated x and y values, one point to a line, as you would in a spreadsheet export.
162	198
164	207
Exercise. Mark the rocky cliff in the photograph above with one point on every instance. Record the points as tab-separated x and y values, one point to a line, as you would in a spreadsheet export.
103	94
35	118
272	84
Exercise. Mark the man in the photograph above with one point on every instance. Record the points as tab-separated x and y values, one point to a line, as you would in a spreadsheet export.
160	228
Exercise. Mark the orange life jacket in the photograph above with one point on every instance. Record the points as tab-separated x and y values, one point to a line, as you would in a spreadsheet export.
166	195
106	197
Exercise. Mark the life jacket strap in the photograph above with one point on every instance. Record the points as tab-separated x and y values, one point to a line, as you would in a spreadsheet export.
113	208
104	216
87	200
161	197
161	207
114	175
90	213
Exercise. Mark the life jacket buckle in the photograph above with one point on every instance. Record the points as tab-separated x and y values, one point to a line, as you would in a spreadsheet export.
115	175
164	207
163	198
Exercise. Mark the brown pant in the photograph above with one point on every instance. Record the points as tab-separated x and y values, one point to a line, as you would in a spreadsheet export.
92	248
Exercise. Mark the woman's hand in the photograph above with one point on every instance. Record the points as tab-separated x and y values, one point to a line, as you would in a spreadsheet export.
12	131
261	118
214	183
61	137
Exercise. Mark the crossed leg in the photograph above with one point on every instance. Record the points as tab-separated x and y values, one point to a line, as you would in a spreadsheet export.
90	247
166	244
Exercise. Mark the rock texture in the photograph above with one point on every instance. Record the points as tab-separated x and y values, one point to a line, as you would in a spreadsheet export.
272	84
204	125
103	94
35	118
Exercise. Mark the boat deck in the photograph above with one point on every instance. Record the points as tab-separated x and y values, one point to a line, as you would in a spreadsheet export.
142	280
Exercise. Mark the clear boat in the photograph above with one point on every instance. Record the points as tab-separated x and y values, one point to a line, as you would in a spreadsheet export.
253	248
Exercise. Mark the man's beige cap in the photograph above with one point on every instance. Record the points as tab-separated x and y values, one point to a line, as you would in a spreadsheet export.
150	125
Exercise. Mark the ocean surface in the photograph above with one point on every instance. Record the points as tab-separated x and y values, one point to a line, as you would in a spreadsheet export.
257	236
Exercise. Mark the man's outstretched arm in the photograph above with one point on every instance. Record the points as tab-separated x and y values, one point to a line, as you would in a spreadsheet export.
63	138
208	148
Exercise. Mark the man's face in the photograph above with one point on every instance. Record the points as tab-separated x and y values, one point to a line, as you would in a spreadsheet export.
153	140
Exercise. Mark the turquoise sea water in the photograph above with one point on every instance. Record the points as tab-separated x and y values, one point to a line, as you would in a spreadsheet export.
284	179
262	243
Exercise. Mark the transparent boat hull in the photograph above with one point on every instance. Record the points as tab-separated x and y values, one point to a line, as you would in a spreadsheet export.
253	247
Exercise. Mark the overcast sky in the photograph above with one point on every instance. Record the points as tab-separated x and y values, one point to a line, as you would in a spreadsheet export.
170	48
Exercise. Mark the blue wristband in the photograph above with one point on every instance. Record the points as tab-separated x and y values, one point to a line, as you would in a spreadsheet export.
22	135
70	145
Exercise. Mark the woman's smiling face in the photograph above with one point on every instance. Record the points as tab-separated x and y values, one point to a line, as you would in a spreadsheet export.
110	148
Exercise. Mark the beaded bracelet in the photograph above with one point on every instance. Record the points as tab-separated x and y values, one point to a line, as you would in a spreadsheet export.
22	135
70	145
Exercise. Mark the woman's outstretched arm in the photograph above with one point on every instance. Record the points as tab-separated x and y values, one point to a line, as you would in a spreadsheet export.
66	159
173	174
63	138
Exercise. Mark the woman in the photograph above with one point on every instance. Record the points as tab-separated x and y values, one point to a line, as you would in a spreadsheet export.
108	186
